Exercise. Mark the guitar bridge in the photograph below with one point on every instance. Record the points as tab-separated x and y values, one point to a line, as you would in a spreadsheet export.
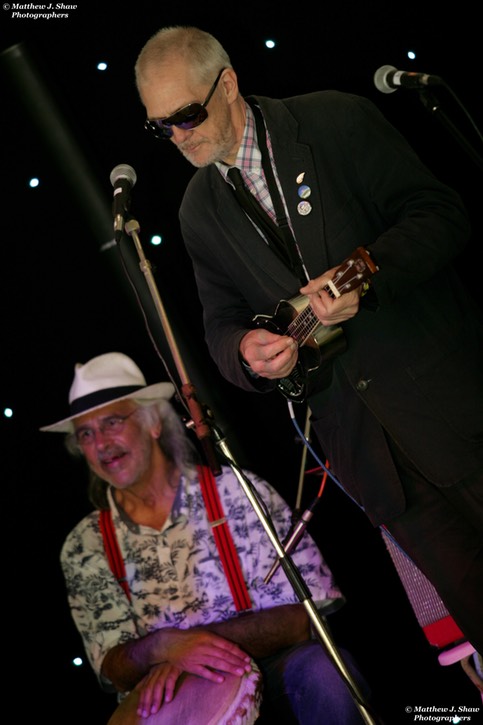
293	387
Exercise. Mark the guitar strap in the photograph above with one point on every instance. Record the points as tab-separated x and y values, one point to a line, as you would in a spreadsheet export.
279	234
221	533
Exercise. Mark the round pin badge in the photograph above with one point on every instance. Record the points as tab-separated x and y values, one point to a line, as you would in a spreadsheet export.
304	191
304	208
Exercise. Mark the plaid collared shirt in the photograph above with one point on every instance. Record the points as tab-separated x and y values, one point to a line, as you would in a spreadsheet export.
249	161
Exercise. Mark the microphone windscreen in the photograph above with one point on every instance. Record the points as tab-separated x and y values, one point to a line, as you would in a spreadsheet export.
380	79
123	171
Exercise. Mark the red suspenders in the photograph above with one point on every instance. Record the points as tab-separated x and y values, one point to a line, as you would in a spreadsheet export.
221	532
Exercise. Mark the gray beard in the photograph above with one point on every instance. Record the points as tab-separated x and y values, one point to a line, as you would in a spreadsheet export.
221	148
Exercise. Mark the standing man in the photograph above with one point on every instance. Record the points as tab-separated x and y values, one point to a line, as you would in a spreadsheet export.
397	403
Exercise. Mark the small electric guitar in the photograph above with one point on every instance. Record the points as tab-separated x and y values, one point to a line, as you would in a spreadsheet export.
317	343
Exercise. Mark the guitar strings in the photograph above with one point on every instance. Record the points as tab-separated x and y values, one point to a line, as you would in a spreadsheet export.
307	322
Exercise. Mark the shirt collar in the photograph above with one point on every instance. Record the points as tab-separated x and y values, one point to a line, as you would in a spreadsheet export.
249	157
175	515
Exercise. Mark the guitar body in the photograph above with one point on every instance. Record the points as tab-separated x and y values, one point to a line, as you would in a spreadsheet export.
317	344
321	344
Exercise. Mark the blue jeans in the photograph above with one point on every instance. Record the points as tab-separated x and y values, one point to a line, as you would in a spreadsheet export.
302	685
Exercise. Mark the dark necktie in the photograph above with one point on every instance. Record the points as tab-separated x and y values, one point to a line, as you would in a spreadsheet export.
263	221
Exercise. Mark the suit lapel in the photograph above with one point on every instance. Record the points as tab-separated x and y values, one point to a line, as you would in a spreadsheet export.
301	190
295	167
246	243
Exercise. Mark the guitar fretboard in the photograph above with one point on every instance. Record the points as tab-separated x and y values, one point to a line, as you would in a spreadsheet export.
348	277
303	326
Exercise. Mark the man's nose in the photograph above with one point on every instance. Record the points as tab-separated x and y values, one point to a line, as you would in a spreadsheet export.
101	436
179	134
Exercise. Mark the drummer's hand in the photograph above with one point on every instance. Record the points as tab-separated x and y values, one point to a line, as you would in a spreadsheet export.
202	653
156	687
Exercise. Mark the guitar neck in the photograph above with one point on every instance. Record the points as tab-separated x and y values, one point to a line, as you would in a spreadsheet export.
351	274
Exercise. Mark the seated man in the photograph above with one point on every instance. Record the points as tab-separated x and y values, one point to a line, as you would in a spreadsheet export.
171	617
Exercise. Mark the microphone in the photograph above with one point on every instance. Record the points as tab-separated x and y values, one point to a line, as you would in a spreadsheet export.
293	537
123	178
388	79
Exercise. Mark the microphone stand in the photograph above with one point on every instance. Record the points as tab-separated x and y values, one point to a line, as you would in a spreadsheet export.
206	434
199	422
431	104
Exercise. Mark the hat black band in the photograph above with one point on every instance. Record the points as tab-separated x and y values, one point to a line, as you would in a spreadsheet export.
86	402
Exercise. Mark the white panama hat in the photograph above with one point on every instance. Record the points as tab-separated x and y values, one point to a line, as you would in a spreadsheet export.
105	379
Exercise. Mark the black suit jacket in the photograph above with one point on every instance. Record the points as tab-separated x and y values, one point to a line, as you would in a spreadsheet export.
412	368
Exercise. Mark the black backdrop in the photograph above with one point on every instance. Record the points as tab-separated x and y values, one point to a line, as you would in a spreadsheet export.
65	296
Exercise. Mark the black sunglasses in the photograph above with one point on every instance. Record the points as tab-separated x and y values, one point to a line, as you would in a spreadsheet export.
188	117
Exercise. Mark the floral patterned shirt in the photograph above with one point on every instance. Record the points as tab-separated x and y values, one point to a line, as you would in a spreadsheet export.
175	575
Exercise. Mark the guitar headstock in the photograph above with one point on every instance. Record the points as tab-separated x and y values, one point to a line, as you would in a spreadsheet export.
354	271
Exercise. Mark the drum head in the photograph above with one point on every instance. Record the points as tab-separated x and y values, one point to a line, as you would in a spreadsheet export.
197	701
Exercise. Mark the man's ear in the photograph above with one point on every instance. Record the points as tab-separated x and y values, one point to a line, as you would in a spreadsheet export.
229	83
155	430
